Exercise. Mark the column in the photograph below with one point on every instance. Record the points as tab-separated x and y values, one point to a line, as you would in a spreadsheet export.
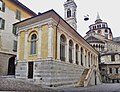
79	56
18	45
90	60
87	58
83	56
50	40
106	46
26	46
67	51
39	42
74	54
58	45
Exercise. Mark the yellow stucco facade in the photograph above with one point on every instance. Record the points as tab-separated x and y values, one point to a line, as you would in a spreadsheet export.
15	7
21	54
44	43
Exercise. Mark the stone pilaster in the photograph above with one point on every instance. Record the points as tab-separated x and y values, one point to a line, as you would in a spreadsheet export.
26	46
18	45
86	58
58	45
79	56
39	42
83	57
50	40
67	51
74	54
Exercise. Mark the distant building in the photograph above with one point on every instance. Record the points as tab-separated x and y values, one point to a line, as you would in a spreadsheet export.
51	52
101	38
11	11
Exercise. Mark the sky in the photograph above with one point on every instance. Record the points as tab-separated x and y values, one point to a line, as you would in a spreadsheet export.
107	9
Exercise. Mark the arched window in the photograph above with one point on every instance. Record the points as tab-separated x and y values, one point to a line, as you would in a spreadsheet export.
102	48
77	50
62	47
33	44
68	13
96	46
89	59
70	51
99	47
99	31
93	45
81	56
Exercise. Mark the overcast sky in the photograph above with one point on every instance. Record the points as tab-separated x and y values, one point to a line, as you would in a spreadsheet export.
108	11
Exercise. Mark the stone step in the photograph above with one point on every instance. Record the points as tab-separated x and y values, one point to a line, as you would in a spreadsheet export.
8	76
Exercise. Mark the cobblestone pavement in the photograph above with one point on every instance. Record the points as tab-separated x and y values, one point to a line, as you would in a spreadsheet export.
115	87
22	86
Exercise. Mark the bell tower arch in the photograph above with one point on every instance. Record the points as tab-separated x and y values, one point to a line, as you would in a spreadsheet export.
70	13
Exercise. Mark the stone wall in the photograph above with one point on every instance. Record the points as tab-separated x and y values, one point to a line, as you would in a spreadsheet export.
4	58
51	73
21	70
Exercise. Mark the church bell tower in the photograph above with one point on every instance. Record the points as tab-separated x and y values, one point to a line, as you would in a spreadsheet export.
70	13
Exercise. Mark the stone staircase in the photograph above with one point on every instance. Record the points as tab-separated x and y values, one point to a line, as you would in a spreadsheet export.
82	78
8	76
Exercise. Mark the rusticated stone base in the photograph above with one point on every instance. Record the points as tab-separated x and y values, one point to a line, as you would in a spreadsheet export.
50	73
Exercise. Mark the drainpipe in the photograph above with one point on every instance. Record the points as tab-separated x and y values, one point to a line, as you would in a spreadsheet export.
56	38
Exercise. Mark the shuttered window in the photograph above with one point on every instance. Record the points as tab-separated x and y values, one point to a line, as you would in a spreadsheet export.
2	23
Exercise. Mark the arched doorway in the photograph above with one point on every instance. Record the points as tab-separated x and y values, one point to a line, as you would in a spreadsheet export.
11	66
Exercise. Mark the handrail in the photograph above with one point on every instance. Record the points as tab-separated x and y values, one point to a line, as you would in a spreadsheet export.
88	76
99	75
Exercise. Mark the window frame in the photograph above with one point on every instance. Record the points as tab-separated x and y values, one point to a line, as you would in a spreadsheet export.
18	14
62	48
117	70
33	45
14	31
2	7
2	24
15	46
112	58
110	70
69	13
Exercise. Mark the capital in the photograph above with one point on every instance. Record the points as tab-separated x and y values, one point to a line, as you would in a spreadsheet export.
39	27
50	23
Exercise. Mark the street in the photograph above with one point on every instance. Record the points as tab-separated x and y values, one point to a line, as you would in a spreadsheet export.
97	88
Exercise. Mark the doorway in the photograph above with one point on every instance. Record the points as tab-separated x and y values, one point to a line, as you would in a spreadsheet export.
95	78
30	70
11	66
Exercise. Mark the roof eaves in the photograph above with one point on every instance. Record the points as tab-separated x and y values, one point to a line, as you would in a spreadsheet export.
24	7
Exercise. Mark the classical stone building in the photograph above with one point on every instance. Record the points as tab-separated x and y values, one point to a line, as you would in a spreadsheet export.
51	52
101	38
11	11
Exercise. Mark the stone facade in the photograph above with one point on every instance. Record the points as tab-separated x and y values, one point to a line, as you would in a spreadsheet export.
8	40
100	37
